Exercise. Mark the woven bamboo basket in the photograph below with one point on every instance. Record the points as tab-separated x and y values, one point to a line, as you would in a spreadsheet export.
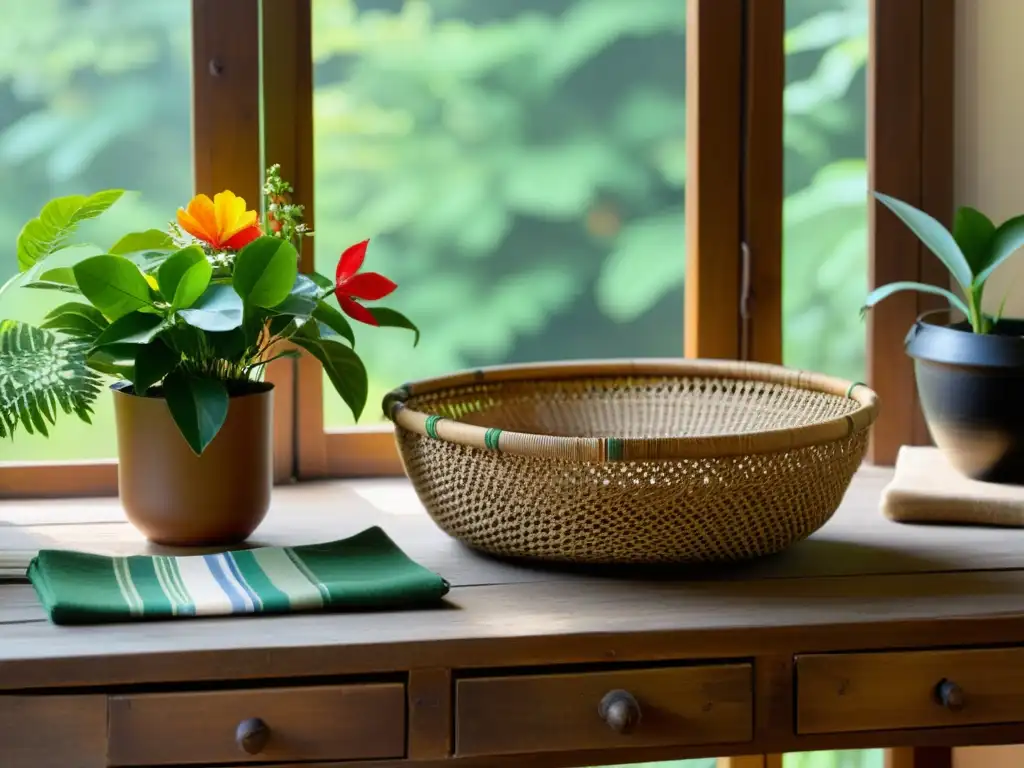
650	461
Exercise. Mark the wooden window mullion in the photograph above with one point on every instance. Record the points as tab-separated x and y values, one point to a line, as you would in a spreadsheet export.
761	313
288	141
226	50
910	156
714	84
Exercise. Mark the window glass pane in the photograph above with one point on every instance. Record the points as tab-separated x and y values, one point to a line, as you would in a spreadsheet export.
93	95
854	758
519	166
825	212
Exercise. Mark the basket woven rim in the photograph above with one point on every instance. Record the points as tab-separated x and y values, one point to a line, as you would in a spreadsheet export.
612	449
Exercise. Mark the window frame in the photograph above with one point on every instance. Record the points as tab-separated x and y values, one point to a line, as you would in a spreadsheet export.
910	156
719	221
733	286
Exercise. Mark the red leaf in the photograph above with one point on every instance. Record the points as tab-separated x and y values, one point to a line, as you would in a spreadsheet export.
350	262
368	286
356	311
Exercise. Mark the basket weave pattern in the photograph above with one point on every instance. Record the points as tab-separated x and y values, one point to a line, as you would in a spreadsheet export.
631	487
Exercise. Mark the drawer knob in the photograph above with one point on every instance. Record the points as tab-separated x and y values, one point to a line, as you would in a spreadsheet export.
950	695
252	735
620	710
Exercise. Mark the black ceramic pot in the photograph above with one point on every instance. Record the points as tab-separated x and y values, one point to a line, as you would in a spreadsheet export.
971	388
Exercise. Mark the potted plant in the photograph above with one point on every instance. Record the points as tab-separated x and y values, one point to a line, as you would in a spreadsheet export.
970	372
186	321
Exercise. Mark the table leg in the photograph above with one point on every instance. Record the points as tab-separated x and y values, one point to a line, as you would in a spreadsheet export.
919	757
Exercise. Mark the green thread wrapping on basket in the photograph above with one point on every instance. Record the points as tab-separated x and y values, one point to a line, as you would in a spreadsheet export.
491	437
613	448
431	426
849	390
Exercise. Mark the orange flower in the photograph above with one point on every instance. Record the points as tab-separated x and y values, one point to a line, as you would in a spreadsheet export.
222	222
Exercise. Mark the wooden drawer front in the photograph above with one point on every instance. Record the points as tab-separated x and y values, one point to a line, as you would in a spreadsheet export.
53	731
343	722
540	713
920	689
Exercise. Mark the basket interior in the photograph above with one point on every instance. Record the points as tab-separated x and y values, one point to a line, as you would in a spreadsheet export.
635	406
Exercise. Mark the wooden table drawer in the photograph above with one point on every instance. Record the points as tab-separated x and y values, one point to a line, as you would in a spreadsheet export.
558	712
65	731
918	689
340	722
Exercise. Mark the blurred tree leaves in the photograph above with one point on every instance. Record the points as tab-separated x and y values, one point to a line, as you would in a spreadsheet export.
93	95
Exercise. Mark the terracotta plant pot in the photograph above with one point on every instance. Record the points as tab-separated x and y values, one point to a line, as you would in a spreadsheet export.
970	388
177	498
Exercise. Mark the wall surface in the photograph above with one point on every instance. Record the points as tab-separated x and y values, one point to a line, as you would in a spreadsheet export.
990	176
990	125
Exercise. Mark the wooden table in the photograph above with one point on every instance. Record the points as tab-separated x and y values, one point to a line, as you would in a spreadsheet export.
868	634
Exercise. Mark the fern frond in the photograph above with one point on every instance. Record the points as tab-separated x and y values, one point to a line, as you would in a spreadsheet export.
39	373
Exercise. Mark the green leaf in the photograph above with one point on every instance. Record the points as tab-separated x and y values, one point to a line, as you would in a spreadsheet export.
325	283
39	373
218	309
227	345
149	261
199	407
265	271
390	318
934	235
113	284
184	277
59	279
342	366
42	285
885	291
301	300
152	362
973	232
133	328
58	220
334	320
283	325
76	319
1008	238
150	240
117	360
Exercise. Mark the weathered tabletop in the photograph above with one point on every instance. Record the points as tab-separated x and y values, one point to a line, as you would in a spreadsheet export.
861	583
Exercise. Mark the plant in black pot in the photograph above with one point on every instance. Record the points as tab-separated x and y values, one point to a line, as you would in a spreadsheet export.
970	373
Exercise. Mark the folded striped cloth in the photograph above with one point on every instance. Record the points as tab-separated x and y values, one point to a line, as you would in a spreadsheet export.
366	571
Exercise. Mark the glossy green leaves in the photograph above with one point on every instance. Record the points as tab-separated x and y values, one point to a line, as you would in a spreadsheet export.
112	284
341	364
888	290
184	277
971	252
199	406
218	309
76	319
935	236
390	318
140	242
265	271
153	361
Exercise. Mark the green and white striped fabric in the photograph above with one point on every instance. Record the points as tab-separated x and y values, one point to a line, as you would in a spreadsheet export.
366	571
